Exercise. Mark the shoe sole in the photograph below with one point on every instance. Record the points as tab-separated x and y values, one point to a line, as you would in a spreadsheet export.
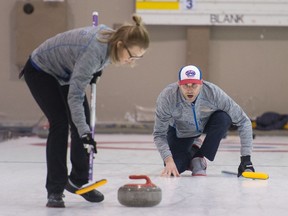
55	206
86	197
199	174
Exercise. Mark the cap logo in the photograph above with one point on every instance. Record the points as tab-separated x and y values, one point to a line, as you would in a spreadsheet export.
190	73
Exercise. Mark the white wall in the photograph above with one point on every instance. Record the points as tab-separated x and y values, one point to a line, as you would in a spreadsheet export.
252	69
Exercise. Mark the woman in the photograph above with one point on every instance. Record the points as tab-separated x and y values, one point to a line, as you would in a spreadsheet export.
57	74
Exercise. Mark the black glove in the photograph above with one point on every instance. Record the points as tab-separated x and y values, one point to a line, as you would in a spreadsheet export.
96	77
89	143
245	165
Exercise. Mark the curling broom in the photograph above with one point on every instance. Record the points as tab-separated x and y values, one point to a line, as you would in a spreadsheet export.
250	175
92	126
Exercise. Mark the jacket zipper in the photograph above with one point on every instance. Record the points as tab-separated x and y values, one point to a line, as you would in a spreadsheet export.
195	119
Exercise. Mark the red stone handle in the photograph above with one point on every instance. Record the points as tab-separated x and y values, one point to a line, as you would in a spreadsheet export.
147	184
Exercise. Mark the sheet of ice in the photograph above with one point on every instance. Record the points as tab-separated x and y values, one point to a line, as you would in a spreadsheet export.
23	173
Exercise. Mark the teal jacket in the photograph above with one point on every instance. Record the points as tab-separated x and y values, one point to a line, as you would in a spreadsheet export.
189	119
72	58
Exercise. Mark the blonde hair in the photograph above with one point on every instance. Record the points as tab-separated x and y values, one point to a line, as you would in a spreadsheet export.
128	34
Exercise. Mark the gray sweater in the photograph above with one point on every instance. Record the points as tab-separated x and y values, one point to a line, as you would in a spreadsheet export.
190	119
72	58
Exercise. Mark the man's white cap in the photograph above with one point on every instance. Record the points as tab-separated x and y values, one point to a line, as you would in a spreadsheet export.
190	74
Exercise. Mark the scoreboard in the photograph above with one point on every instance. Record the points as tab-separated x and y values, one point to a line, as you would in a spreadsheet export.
214	12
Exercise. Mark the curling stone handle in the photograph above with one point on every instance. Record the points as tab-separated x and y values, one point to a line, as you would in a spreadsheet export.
148	180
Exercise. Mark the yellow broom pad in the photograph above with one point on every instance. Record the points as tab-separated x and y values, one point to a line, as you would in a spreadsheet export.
91	187
255	175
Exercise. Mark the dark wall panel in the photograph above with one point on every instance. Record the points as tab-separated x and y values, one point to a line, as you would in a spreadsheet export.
37	21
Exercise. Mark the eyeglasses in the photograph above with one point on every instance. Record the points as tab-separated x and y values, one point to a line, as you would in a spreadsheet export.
132	57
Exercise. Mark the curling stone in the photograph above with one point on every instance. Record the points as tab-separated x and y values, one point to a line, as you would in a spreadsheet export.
140	195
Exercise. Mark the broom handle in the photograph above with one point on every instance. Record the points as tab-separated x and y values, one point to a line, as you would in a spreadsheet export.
93	107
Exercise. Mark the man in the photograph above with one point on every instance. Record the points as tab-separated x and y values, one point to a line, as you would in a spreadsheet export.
190	108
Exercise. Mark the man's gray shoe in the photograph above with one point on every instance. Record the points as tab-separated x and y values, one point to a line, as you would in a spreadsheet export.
198	166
